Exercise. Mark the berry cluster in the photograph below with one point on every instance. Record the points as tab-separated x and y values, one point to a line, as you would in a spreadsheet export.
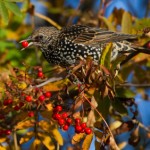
65	121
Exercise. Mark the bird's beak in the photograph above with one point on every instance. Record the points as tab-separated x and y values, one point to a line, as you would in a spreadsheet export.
28	39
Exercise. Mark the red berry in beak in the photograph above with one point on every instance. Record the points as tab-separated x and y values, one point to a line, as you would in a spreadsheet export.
25	44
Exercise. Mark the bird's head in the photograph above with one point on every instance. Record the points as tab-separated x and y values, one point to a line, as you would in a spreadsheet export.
42	37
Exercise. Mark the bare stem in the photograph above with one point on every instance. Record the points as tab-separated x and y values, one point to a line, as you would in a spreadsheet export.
48	20
116	147
15	140
133	85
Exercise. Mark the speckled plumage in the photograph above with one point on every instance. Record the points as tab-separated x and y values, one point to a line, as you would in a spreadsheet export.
64	47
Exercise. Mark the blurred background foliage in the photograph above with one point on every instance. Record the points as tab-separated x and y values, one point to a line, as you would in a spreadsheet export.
18	18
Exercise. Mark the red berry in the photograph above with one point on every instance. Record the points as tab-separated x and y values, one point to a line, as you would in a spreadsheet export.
83	125
16	108
77	120
58	108
61	121
88	130
7	102
48	94
40	74
28	98
65	127
56	116
21	104
25	44
64	115
41	98
31	114
78	128
7	132
69	121
82	131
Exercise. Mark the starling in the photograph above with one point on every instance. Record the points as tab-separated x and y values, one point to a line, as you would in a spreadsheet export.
66	46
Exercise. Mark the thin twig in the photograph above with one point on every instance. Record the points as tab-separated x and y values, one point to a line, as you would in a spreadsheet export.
133	85
48	20
15	140
116	147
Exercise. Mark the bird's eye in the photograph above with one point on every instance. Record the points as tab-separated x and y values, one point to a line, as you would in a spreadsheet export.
39	37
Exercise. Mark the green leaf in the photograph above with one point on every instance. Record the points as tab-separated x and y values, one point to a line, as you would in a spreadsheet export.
105	56
4	12
103	104
126	23
13	7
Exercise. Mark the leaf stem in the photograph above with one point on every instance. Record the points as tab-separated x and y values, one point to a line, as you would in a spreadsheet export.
47	19
15	140
116	147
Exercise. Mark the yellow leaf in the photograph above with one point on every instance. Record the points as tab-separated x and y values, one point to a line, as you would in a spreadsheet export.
55	86
49	107
108	23
105	57
115	125
3	148
56	134
36	145
22	85
26	137
87	142
44	125
77	138
3	139
46	140
50	128
126	23
25	124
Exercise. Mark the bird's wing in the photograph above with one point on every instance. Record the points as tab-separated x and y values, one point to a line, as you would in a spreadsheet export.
90	36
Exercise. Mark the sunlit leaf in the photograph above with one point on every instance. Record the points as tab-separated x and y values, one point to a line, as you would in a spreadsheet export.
45	125
105	56
108	23
77	138
87	142
46	140
3	148
115	125
3	139
126	23
25	124
50	128
13	7
26	137
56	134
49	107
55	86
4	12
36	145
